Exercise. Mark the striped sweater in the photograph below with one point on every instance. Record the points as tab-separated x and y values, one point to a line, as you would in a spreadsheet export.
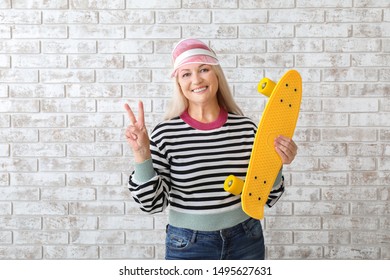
190	162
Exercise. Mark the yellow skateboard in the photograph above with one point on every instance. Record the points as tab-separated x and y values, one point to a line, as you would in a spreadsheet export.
279	118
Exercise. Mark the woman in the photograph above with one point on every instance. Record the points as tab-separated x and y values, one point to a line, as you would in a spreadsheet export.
204	138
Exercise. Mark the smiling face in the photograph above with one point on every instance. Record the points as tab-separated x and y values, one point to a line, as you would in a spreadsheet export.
199	83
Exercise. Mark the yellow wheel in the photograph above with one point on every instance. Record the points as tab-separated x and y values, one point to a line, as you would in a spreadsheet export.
266	86
233	185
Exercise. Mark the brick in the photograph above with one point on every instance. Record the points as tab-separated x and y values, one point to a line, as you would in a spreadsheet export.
19	193
373	209
207	4
19	135
294	45
350	223
20	252
153	4
36	91
37	4
65	164
5	237
252	4
369	90
97	237
101	120
20	223
145	237
33	61
96	208
94	32
5	209
5	4
350	75
126	222
266	60
93	91
110	134
184	16
68	106
367	119
369	178
324	3
328	149
93	179
324	30
148	60
266	31
349	134
70	252
70	17
354	15
147	90
351	252
40	208
322	60
67	76
39	32
112	164
293	223
95	150
325	237
296	15
127	252
19	76
38	150
363	149
68	193
301	194
320	208
371	30
322	119
103	5
66	46
278	237
352	45
38	120
350	193
73	135
96	61
320	179
371	3
347	163
220	31
375	237
294	252
19	46
20	17
281	208
4	178
153	31
70	223
125	46
123	76
376	60
40	237
232	16
21	106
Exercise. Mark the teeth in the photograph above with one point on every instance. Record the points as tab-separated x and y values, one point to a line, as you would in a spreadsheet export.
199	89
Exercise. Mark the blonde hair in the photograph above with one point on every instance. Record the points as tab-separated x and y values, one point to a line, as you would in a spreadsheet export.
179	102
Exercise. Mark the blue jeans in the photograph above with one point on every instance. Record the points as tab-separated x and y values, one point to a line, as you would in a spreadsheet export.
244	241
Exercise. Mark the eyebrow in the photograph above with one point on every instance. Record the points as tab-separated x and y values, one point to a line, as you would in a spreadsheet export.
189	69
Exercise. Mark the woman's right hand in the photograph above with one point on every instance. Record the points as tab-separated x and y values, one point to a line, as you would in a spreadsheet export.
137	134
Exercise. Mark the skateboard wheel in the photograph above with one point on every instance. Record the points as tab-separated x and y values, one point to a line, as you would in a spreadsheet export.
266	86
233	185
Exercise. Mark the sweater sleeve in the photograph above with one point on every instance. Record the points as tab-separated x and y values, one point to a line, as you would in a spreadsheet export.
149	183
277	190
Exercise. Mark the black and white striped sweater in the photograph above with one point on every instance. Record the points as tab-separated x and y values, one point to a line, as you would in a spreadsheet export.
190	162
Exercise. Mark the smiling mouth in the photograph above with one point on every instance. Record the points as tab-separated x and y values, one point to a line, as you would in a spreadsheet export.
198	90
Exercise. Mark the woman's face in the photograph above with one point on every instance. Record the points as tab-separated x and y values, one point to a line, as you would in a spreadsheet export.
199	83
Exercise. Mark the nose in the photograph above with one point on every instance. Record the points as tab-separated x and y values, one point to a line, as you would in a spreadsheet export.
196	78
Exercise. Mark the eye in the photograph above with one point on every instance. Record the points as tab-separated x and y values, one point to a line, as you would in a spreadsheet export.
204	70
185	75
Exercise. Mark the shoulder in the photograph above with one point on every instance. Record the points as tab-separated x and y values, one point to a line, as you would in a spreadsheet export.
238	120
172	126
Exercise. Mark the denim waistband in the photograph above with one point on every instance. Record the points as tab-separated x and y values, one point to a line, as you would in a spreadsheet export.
227	232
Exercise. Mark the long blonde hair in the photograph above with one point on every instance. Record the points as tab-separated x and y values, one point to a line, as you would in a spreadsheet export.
179	102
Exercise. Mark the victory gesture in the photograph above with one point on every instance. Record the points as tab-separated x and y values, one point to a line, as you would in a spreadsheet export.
137	134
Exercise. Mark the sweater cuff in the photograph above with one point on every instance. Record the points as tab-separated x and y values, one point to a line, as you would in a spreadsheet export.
144	171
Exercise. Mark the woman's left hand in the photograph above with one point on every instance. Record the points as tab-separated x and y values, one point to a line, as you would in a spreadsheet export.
286	148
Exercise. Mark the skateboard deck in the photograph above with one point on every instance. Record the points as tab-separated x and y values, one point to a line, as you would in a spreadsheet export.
279	118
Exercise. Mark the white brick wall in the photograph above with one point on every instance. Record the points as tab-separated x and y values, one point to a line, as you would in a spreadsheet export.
67	67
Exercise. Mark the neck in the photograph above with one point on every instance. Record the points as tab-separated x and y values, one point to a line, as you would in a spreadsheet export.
204	114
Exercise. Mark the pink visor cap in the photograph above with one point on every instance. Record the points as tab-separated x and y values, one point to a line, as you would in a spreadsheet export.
189	51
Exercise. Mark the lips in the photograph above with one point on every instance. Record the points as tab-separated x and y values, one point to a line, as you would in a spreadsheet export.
199	90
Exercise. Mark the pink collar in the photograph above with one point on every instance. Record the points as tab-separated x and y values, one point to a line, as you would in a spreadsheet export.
219	122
